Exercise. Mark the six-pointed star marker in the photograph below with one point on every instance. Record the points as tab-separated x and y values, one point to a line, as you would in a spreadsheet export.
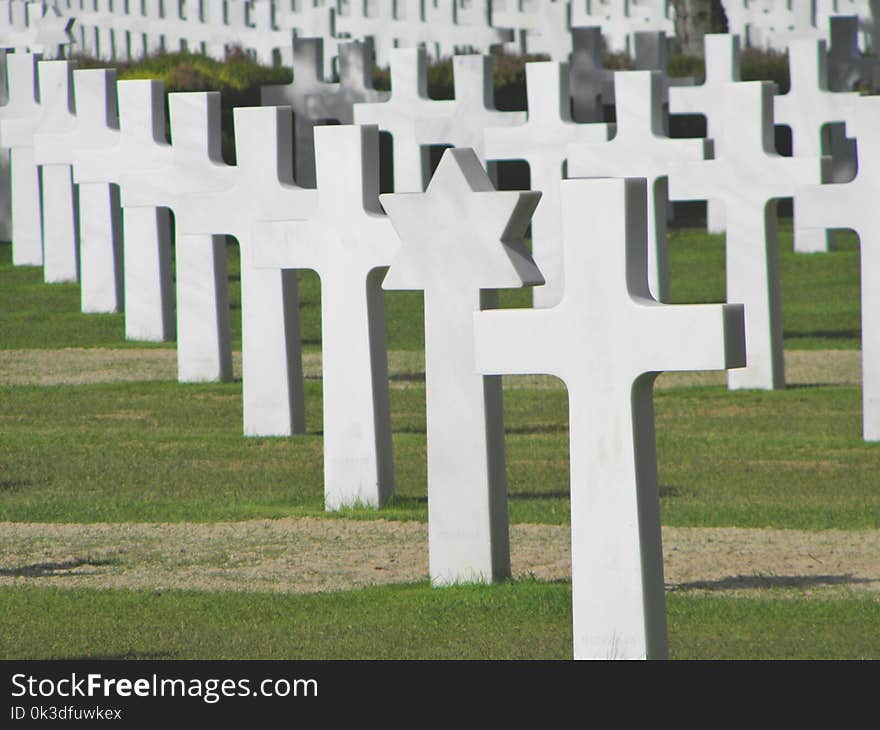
461	229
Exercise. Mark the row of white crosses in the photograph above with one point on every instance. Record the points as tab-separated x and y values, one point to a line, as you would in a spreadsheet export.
814	114
774	24
472	245
620	19
35	27
198	152
639	138
122	31
461	123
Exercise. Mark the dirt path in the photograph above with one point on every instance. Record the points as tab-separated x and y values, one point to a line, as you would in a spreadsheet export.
74	366
309	555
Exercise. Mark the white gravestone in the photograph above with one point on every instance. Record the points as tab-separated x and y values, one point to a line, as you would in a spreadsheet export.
854	205
409	101
619	19
181	172
461	240
259	188
350	242
5	193
96	127
592	85
607	341
848	67
58	201
811	110
749	176
316	101
543	142
541	29
652	54
474	108
722	57
640	148
146	232
37	28
18	120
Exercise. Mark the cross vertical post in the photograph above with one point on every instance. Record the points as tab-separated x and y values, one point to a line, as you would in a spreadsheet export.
460	240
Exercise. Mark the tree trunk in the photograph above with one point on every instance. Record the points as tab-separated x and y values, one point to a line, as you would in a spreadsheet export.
695	18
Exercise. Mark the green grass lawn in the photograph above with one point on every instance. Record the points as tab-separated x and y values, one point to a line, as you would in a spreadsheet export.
820	292
165	452
820	299
159	451
517	620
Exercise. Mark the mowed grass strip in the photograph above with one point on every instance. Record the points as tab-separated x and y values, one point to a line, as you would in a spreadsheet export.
820	292
160	452
516	620
38	315
820	297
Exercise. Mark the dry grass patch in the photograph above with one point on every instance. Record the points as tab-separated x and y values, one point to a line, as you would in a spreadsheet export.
307	555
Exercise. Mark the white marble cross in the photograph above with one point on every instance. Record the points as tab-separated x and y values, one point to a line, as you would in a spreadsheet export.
621	18
461	240
722	57
18	120
543	142
640	148
748	176
52	156
316	101
542	29
5	192
147	279
40	28
652	54
350	242
474	108
592	85
409	101
179	173
853	205
810	110
100	216
607	341
211	199
846	65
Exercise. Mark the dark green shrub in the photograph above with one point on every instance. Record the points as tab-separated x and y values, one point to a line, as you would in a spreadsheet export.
758	65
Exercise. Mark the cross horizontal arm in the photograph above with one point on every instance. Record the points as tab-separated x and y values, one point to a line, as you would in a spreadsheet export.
512	342
827	206
690	337
694	181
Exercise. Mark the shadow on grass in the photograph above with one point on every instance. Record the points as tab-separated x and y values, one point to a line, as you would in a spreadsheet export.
48	570
768	581
125	655
10	485
537	428
534	496
407	377
824	334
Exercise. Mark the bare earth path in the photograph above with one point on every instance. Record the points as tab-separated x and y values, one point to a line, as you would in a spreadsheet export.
307	555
